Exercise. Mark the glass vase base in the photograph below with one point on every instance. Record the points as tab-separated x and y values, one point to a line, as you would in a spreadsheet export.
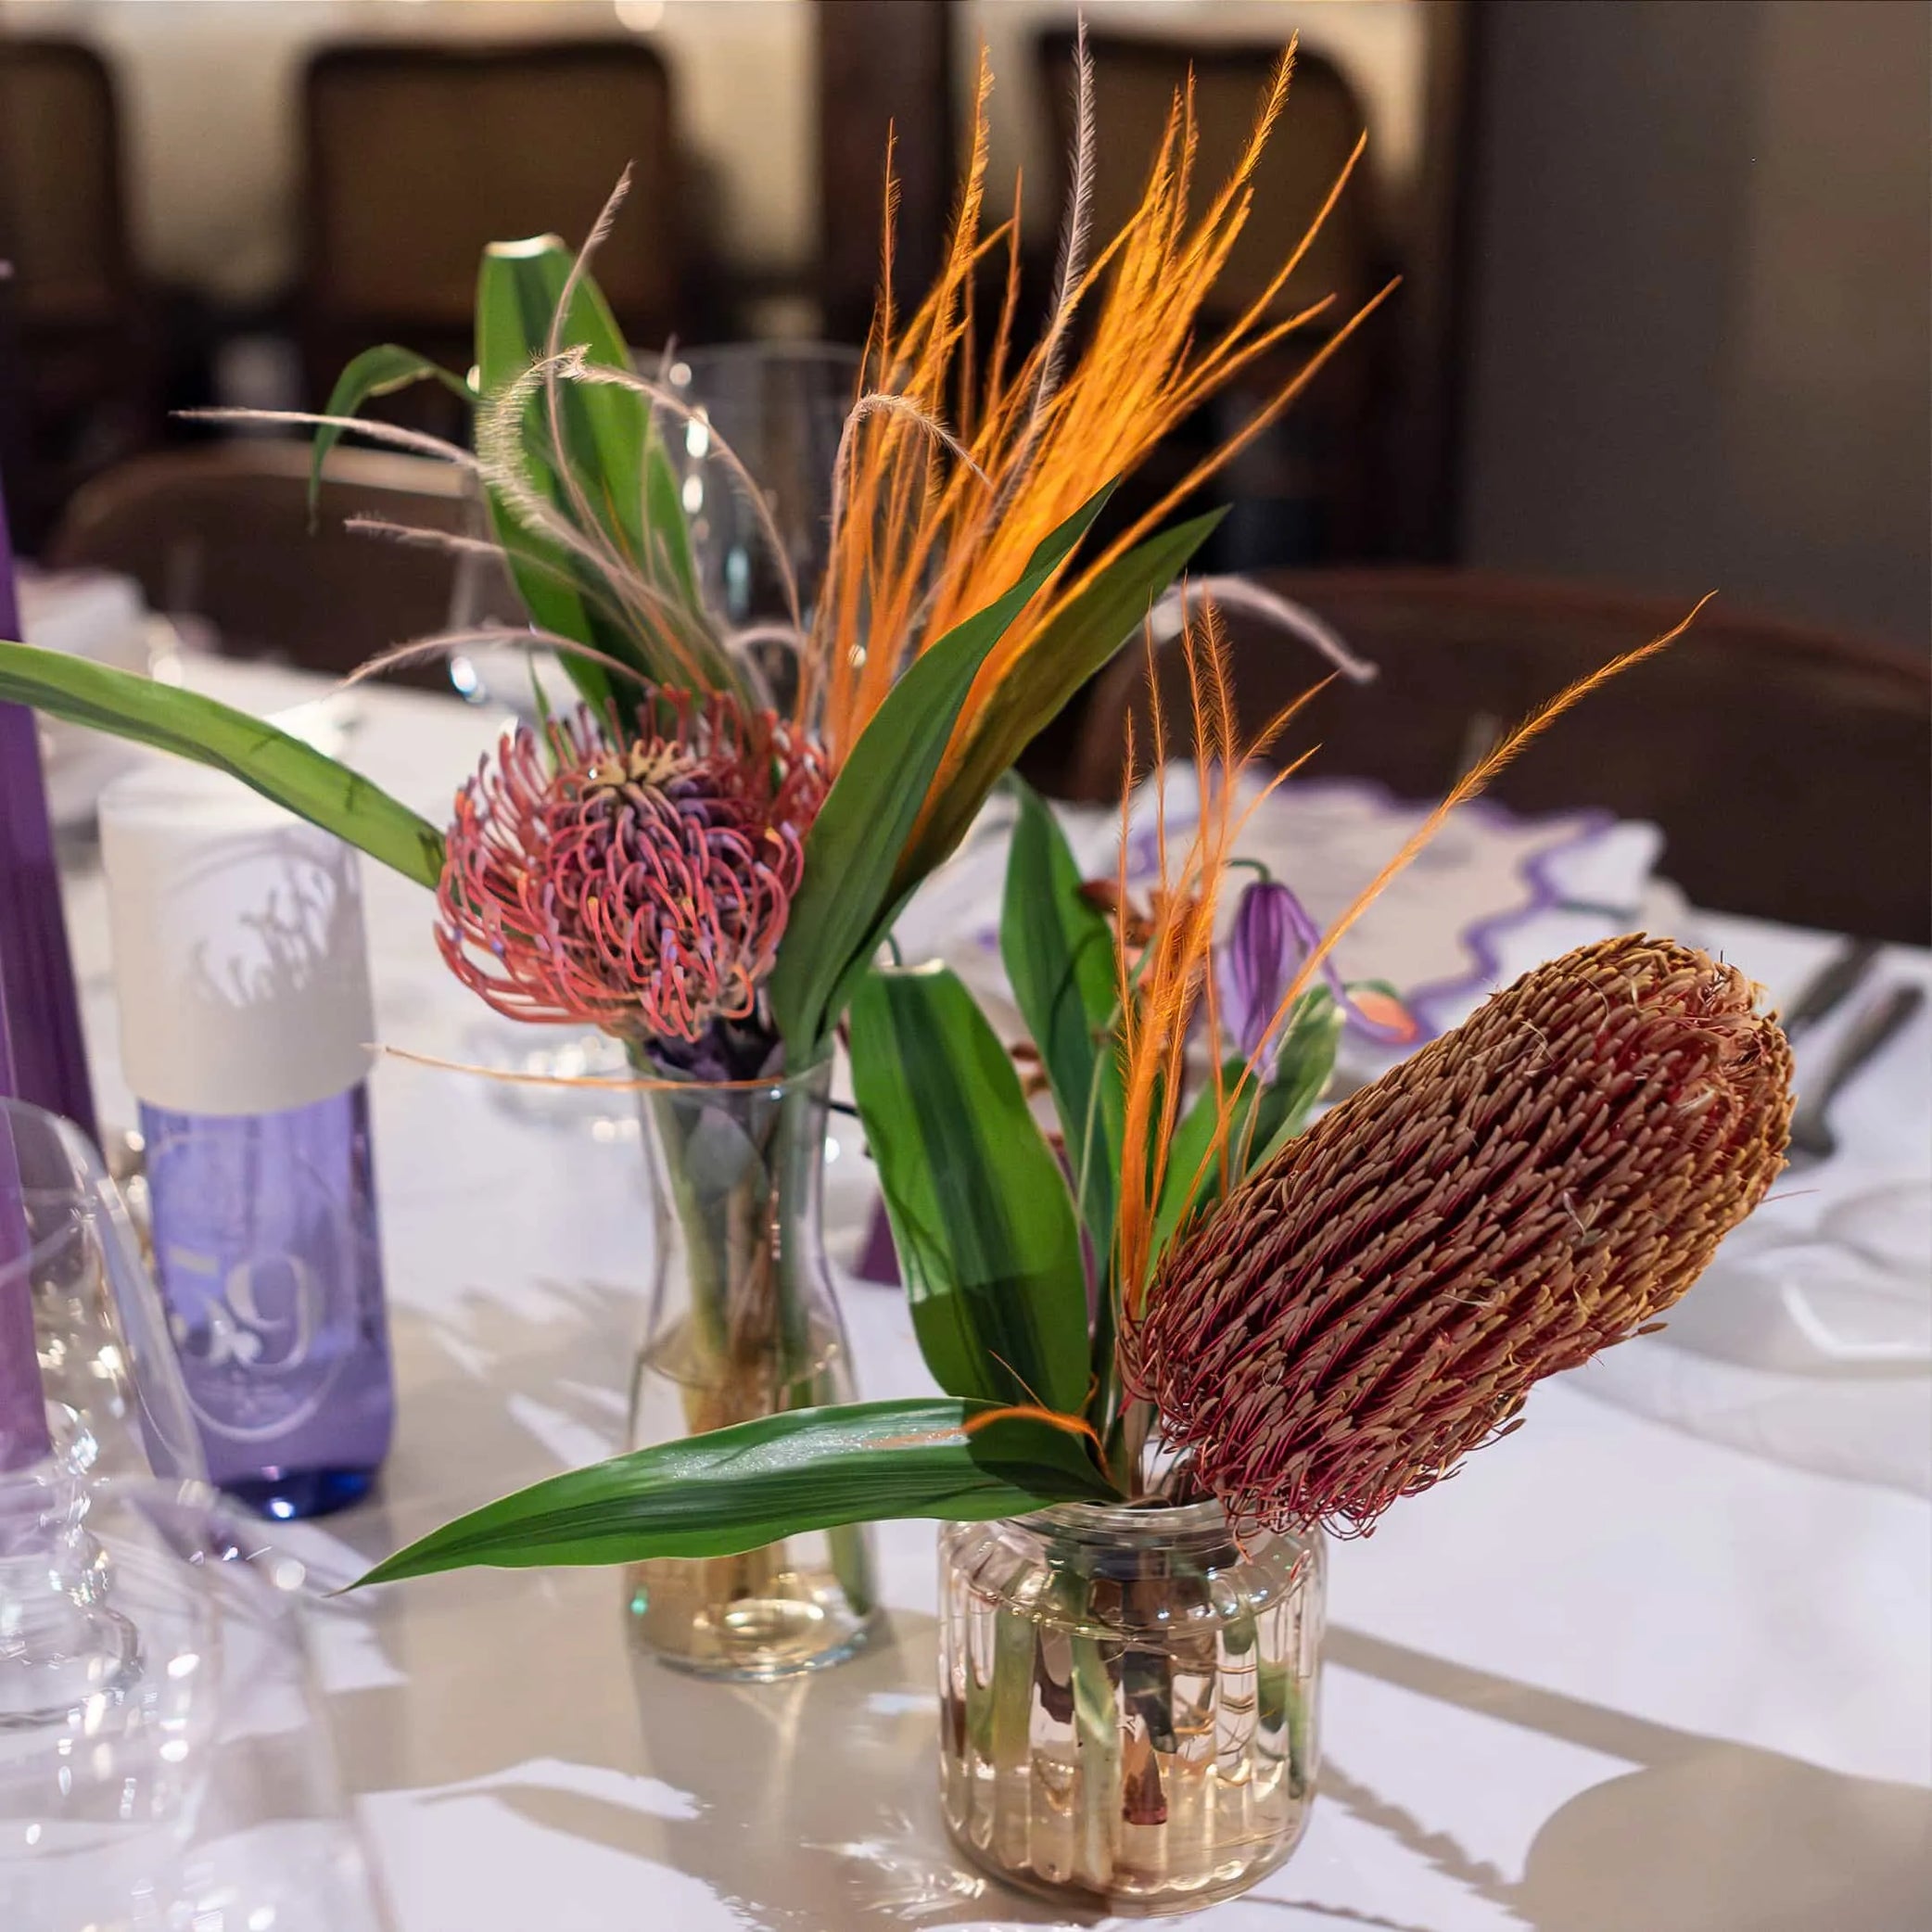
745	1620
1162	1898
1128	1702
64	1643
64	1661
287	1494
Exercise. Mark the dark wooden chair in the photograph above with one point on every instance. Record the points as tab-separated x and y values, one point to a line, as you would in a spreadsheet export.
1309	489
1788	769
220	531
418	155
79	373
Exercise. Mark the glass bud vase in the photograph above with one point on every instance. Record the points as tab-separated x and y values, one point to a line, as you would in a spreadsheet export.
742	1325
1128	1701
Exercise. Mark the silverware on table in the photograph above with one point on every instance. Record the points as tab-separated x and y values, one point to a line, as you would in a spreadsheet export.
1841	975
1811	1136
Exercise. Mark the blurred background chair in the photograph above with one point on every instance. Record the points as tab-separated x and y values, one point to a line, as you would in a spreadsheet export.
1787	767
221	533
1308	489
76	379
418	155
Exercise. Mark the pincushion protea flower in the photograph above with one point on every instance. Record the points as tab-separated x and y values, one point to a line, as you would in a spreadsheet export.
1542	1181
640	882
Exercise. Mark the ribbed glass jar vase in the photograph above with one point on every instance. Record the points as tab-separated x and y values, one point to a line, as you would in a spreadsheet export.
1128	1701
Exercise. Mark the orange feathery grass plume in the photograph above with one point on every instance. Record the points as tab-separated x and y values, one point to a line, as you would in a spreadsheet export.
920	542
1466	788
1163	973
1172	975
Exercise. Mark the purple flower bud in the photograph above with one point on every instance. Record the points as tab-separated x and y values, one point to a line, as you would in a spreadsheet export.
1273	934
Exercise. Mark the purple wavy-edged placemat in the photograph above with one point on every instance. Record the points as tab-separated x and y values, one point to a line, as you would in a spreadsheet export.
1429	1001
1479	937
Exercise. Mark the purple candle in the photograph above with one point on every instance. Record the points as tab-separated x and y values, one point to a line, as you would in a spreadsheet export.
40	1050
49	1061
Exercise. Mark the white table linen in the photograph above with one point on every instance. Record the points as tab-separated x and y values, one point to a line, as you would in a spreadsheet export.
1631	1668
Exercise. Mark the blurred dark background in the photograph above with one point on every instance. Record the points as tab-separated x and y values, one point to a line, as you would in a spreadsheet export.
1665	322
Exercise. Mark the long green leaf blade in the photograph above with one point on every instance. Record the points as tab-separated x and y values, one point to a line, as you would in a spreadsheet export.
735	1489
626	499
980	1211
380	370
1078	642
853	852
1059	954
1191	1177
1304	1065
606	428
296	775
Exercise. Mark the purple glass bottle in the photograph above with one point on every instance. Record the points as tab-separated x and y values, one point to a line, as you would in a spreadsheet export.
243	983
266	1248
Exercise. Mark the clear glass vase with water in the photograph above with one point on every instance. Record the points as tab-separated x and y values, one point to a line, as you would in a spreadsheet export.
742	1324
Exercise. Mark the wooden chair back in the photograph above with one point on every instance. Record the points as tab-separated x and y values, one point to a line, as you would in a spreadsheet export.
1788	769
220	531
418	155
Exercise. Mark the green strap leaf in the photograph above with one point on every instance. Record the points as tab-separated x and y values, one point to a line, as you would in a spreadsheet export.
380	370
1264	1117
1186	1181
1079	641
1303	1064
615	455
853	854
519	286
1059	953
980	1211
296	775
738	1488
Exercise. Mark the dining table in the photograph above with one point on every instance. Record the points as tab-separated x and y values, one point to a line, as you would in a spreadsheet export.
1661	1661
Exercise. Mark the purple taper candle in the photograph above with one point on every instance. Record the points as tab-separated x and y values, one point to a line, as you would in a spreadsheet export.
49	1060
40	1035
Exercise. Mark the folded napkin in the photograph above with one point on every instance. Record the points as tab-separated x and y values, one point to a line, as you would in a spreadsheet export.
1809	1339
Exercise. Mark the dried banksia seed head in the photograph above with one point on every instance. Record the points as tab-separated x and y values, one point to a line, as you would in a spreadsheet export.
638	879
1542	1182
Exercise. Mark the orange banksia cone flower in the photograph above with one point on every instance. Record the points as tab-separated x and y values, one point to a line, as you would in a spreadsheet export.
1544	1180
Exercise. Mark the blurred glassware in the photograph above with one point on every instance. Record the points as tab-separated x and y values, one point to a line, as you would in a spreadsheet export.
114	1404
100	1331
192	1789
780	408
163	1765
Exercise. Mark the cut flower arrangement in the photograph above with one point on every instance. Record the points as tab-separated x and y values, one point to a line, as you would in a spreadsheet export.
1186	1331
703	857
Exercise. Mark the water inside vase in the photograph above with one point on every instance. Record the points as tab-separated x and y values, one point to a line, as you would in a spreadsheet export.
1142	1742
786	1606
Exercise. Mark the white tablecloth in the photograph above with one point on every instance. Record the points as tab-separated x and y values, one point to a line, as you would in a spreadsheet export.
1617	1676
